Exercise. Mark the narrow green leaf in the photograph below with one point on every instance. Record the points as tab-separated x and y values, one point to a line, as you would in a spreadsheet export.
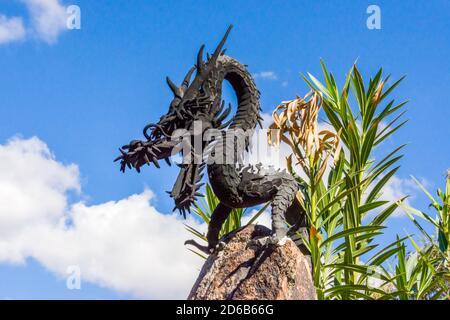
353	231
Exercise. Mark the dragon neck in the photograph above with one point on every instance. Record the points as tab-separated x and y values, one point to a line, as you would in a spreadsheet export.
224	177
248	109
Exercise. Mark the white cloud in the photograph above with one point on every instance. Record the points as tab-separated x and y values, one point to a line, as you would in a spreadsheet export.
267	75
270	76
126	245
32	185
397	188
47	20
11	29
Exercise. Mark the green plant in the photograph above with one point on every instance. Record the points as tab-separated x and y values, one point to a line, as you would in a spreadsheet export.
442	220
435	252
338	206
415	276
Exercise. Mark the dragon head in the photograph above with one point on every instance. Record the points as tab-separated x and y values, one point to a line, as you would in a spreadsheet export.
194	102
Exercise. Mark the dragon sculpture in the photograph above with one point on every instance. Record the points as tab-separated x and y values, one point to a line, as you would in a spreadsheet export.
235	185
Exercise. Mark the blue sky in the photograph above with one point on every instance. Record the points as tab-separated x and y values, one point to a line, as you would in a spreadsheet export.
86	92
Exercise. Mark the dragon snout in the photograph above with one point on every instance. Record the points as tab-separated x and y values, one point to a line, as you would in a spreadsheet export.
138	153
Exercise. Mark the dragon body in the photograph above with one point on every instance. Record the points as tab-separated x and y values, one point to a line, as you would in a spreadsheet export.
237	186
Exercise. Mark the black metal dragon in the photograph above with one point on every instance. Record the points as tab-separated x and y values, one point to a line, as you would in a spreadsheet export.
235	185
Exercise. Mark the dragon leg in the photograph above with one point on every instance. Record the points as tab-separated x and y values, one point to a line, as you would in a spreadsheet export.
281	203
283	189
298	220
220	214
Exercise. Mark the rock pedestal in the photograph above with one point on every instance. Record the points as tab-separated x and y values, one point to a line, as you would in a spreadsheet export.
242	272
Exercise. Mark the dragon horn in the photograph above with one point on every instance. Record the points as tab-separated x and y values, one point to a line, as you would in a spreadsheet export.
202	69
173	87
186	80
200	63
221	44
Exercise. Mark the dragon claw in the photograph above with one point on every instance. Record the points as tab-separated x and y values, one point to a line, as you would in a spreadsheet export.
281	242
220	246
207	249
212	249
267	241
